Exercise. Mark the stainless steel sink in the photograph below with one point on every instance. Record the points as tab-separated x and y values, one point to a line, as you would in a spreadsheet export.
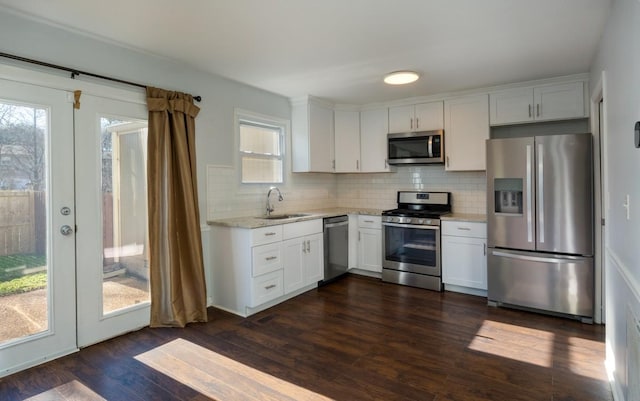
283	216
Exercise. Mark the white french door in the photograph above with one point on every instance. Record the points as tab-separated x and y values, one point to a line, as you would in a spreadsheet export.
111	212
73	217
37	247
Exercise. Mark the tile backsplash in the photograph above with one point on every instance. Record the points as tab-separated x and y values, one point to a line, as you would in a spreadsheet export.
379	191
226	197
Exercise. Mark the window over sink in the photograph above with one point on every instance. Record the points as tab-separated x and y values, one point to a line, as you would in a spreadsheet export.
261	142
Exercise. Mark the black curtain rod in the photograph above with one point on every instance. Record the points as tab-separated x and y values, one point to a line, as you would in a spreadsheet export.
74	72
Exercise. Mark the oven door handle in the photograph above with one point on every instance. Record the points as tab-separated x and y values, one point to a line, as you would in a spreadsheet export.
411	226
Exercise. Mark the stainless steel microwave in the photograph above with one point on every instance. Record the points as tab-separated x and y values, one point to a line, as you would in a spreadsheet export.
426	147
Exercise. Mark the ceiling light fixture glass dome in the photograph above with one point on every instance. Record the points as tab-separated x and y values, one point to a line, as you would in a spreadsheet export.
401	77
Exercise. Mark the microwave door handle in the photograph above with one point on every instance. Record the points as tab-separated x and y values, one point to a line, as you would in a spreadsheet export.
430	146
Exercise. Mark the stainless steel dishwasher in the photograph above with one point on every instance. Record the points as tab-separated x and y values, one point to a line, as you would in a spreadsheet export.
336	248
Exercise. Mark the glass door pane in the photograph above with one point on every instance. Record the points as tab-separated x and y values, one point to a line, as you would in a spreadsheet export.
125	262
23	221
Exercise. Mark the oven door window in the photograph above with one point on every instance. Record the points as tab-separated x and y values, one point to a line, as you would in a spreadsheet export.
416	246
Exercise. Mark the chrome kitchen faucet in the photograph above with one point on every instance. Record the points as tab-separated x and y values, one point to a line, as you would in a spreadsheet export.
280	199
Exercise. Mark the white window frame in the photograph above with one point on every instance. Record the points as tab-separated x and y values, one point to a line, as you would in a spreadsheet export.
244	116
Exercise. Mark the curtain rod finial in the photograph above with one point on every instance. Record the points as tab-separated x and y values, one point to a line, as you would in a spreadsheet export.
197	98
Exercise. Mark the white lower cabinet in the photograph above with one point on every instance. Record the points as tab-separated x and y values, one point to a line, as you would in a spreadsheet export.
266	288
254	269
303	262
370	243
464	256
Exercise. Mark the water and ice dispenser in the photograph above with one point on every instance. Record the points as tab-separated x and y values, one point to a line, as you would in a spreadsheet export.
508	195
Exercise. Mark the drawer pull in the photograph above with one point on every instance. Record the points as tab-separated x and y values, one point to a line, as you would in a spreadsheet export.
464	228
269	234
270	287
271	258
368	221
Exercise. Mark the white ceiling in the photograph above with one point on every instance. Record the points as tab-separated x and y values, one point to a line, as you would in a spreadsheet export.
340	49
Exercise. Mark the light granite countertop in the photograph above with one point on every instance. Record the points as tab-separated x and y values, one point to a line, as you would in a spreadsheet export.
256	222
478	218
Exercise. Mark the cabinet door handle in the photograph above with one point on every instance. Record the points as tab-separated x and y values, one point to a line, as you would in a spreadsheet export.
411	123
357	164
270	287
271	258
417	123
386	163
484	248
538	110
447	161
309	246
530	111
269	234
358	235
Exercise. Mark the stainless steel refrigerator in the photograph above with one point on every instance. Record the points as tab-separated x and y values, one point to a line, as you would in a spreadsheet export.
540	223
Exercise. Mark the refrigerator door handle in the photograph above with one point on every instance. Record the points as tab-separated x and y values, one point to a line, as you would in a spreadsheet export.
536	258
529	196
541	193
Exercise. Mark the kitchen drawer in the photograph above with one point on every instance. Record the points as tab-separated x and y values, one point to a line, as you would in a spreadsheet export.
302	228
366	221
266	288
266	258
464	229
266	235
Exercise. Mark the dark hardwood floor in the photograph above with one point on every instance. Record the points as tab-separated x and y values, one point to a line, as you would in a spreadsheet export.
355	339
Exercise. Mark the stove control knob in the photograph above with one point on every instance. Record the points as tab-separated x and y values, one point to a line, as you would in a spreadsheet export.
421	221
408	220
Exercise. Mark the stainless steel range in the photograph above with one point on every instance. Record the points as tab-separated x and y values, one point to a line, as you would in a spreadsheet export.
411	239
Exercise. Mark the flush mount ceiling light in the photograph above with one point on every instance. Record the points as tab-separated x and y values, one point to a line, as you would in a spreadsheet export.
401	77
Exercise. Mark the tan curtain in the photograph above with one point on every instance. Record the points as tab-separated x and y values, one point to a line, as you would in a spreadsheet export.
178	291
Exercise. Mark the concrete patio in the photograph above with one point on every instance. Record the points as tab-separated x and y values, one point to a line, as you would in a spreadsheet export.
26	313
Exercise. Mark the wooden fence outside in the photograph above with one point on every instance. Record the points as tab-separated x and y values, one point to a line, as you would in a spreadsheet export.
17	222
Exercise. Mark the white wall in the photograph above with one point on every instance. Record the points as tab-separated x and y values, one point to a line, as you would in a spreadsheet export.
619	58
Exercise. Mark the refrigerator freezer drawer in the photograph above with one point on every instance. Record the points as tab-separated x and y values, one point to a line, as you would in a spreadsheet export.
555	283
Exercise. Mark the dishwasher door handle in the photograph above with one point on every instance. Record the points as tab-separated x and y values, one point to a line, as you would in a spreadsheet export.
332	225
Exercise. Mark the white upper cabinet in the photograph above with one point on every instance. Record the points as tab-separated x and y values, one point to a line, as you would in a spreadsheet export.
558	102
347	141
540	103
373	141
418	117
466	128
312	136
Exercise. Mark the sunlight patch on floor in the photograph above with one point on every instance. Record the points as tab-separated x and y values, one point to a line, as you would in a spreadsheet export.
74	390
498	339
582	361
219	377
